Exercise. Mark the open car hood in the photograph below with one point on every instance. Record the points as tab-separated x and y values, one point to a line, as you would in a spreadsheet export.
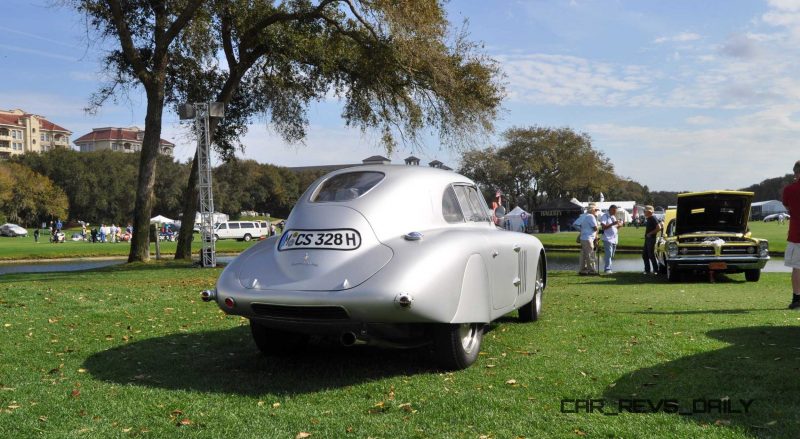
718	211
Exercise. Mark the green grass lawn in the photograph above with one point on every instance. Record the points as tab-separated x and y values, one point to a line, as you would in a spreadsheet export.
26	248
633	238
130	351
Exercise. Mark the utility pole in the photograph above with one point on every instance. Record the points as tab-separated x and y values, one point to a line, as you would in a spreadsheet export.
202	113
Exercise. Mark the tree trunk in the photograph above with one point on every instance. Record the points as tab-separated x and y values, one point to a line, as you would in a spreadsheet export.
151	144
190	201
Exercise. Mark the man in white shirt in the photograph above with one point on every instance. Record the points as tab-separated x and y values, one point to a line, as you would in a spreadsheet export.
609	225
587	224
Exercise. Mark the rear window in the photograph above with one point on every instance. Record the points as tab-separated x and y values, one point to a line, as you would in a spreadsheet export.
345	187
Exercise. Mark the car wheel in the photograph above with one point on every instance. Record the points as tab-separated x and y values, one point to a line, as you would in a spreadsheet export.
275	341
752	275
247	237
672	273
457	345
531	311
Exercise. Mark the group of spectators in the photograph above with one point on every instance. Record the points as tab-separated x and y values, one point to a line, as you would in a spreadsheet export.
608	226
106	233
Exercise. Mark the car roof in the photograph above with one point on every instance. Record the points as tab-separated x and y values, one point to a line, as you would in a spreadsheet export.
407	198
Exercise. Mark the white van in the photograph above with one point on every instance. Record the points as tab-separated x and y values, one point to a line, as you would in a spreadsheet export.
244	230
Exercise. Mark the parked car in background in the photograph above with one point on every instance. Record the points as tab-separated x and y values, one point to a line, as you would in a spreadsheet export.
708	232
242	230
394	256
12	230
776	217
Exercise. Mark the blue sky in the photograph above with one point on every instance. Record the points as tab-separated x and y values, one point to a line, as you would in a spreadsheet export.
680	95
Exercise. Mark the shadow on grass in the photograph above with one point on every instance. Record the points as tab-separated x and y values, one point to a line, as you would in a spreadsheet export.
228	361
710	311
78	273
761	364
626	278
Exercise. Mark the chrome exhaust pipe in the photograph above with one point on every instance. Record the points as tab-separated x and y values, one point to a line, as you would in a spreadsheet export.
208	295
350	339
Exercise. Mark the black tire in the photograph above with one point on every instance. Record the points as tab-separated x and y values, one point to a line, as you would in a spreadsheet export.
275	341
531	311
457	345
662	269
247	237
672	273
752	275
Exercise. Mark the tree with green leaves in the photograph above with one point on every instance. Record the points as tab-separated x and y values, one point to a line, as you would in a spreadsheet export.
395	66
537	162
150	35
31	197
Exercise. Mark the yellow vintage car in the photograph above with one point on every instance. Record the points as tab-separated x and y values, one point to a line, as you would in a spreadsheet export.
708	232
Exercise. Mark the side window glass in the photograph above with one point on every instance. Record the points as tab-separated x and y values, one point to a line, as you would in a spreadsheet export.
450	208
671	228
468	197
223	227
234	225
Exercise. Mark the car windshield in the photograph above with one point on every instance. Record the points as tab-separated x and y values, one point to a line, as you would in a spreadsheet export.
348	186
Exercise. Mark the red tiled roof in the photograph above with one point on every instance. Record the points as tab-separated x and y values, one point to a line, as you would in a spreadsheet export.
10	119
45	124
14	119
114	134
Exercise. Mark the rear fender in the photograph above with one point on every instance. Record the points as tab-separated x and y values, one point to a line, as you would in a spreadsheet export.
474	303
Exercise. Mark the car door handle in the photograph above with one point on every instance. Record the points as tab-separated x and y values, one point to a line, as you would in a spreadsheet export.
517	281
495	253
517	248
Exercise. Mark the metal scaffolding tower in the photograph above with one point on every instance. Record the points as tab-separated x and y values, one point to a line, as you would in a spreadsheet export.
202	113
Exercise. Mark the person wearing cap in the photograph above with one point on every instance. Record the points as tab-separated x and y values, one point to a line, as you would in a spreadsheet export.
651	229
791	199
609	224
587	224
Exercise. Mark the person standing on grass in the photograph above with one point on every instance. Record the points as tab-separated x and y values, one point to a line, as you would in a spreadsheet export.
587	224
36	235
651	229
791	199
610	226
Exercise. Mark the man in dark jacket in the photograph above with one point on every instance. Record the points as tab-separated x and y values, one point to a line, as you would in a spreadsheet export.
651	229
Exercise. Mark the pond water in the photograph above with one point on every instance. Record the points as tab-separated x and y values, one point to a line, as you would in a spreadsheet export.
633	262
555	261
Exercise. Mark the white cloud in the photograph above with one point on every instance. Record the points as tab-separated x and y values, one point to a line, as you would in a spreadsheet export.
678	38
731	155
569	80
700	120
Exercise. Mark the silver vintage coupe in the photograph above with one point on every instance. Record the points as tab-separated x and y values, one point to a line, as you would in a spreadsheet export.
395	256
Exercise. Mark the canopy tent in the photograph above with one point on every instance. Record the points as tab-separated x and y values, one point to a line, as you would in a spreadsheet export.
161	219
516	219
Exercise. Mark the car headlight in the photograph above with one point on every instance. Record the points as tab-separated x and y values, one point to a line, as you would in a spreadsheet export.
763	249
672	249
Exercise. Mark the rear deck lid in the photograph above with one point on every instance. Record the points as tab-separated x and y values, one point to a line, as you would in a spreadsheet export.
324	248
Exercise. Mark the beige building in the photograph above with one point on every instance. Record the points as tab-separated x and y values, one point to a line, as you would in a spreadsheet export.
118	139
22	132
